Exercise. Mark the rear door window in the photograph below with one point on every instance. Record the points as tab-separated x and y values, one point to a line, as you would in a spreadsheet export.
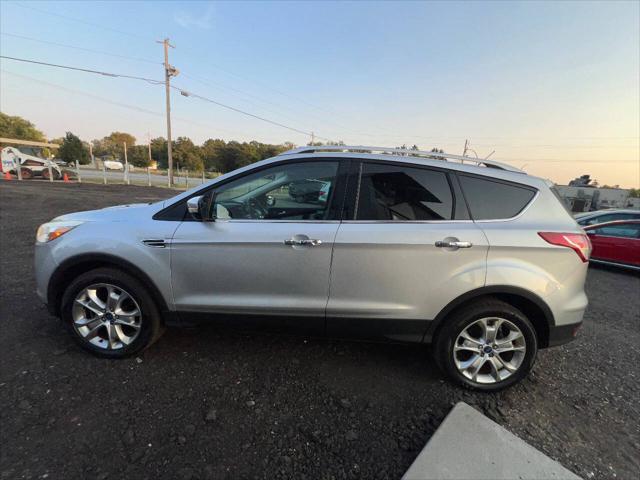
494	200
401	193
624	230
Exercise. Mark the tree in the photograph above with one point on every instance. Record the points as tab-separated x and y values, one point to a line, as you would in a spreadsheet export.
138	156
19	128
236	155
634	192
211	152
159	151
187	155
112	145
73	149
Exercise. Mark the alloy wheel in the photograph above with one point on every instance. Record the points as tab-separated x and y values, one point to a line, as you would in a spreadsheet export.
489	350
106	316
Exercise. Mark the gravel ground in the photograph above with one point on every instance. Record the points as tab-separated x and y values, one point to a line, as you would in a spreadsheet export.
203	404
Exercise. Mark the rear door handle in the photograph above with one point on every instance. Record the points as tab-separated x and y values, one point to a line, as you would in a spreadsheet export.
310	242
453	244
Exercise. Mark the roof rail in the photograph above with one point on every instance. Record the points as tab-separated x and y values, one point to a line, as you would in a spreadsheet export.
404	153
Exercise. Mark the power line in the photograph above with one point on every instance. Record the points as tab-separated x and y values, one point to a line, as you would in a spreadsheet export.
67	67
86	94
86	70
210	83
186	93
112	102
115	30
159	82
48	42
146	39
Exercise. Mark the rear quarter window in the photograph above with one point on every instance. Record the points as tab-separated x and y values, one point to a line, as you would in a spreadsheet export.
494	200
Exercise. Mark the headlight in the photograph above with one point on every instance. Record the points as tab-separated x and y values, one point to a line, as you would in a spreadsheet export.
52	230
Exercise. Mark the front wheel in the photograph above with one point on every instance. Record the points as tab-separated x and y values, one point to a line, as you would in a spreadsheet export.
110	313
487	346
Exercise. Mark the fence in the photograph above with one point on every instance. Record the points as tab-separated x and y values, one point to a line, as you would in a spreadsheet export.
128	175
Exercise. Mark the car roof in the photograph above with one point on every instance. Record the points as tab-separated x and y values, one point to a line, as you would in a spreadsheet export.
490	168
612	223
497	170
607	211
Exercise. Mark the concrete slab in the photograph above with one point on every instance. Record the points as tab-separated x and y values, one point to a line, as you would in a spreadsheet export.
468	445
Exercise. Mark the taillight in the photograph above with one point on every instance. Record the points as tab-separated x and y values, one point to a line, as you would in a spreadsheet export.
578	242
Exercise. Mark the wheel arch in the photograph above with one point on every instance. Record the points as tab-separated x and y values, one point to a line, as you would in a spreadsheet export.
74	266
536	310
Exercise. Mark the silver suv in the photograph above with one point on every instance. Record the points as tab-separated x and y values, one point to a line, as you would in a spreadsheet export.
473	256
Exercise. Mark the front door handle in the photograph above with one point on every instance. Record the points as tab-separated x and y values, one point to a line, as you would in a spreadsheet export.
307	242
453	244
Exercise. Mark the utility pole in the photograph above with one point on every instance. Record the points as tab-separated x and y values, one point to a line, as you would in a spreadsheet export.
466	144
169	72
126	165
313	138
149	144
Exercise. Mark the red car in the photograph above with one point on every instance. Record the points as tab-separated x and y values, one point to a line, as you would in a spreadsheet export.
616	243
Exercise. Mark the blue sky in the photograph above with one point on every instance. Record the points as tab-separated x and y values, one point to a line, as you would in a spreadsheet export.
552	86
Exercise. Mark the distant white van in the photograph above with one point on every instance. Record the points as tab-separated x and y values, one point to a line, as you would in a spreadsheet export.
113	165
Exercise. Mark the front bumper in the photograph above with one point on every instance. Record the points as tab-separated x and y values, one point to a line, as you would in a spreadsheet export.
44	266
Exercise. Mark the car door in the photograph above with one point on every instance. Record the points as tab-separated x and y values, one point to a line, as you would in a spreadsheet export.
265	260
407	248
618	243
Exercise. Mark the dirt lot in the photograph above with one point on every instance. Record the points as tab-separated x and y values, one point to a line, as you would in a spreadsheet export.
202	404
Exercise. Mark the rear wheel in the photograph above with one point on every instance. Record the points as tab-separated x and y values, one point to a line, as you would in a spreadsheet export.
110	314
26	173
487	346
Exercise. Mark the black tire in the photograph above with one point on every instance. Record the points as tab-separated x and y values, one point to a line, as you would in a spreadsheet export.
26	173
151	326
463	318
45	174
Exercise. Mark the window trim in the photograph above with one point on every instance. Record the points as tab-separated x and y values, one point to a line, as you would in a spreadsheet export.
600	235
355	185
504	182
336	210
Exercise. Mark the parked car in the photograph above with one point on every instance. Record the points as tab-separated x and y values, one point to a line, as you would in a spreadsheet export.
482	261
309	190
113	165
616	243
30	165
603	216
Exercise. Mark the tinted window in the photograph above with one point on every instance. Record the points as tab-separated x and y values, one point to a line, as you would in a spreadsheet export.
396	192
628	230
293	191
609	217
488	199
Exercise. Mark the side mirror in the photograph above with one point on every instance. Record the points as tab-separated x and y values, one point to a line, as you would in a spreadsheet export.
200	207
271	200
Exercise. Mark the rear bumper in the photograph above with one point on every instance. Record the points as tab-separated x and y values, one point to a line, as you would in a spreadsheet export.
561	334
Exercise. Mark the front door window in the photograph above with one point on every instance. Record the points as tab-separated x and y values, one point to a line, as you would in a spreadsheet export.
293	191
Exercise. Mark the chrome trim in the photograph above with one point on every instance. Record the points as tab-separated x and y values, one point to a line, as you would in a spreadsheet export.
270	220
614	264
155	243
440	222
305	242
453	244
